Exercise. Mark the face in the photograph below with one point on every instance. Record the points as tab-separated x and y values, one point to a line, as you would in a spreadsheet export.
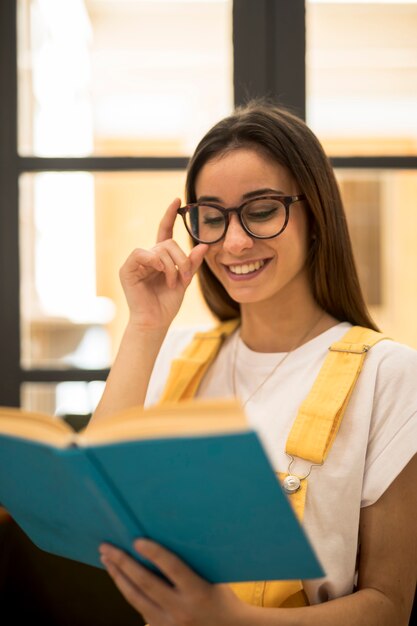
254	270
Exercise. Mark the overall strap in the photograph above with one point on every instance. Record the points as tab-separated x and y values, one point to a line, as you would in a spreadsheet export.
320	415
188	370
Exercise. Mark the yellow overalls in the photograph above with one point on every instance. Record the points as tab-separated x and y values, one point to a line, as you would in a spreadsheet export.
312	433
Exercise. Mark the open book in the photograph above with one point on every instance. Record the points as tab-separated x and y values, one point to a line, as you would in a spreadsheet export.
191	476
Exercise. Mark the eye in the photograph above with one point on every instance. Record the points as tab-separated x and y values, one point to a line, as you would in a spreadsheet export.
262	210
211	217
262	214
212	221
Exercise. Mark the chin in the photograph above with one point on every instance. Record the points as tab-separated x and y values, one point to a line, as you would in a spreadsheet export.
247	298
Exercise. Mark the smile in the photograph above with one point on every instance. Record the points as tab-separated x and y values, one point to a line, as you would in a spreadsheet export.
246	270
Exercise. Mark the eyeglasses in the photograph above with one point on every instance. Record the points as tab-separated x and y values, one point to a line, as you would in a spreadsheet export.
263	217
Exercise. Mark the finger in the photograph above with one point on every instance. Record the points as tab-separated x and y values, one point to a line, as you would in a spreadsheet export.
144	605
180	574
137	576
170	268
166	226
137	261
180	258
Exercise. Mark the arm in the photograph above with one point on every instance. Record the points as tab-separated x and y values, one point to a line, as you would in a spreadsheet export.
387	567
154	282
386	585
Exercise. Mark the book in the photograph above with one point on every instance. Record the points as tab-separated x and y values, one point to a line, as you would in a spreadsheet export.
192	476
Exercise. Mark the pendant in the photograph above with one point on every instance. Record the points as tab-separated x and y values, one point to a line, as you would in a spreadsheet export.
291	484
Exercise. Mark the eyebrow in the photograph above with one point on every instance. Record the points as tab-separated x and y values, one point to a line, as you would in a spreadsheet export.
245	196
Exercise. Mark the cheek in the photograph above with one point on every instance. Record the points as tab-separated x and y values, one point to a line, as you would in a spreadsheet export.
297	237
303	230
210	259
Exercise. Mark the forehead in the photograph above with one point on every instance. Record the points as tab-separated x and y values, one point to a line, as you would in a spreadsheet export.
239	171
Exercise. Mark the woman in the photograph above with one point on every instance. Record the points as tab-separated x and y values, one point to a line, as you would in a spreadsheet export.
272	250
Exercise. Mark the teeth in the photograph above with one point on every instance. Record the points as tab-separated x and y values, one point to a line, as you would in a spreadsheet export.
246	268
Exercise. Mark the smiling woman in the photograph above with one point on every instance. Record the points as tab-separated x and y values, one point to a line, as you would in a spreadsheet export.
265	260
331	398
296	164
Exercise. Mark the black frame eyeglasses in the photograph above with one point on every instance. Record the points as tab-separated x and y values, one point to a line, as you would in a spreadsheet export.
286	201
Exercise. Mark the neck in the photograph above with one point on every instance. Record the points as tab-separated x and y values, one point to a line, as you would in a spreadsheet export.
282	328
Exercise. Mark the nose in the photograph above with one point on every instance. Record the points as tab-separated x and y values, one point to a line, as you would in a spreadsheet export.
236	238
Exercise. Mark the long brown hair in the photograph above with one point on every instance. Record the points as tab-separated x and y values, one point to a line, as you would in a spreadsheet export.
286	139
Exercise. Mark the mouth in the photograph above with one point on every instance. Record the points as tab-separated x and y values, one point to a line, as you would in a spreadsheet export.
245	271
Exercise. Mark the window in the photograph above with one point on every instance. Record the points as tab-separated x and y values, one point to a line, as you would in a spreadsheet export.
111	97
361	76
121	77
102	104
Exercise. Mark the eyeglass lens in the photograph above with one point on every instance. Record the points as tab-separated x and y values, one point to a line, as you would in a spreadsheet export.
263	217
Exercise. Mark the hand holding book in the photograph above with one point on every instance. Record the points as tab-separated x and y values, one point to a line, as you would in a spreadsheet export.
191	476
186	595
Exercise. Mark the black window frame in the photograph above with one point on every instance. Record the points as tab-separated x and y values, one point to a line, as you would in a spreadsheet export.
272	65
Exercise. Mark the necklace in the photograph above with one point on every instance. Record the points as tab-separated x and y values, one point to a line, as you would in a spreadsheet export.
274	369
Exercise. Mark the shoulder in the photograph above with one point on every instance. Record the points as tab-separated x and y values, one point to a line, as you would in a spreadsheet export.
392	375
178	337
387	361
176	340
395	366
389	350
388	381
392	437
385	393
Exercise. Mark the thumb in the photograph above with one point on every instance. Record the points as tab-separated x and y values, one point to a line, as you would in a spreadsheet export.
197	255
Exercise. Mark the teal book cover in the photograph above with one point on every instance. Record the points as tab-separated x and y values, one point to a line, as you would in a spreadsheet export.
210	497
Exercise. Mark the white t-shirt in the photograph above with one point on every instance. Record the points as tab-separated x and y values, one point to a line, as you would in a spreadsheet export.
377	438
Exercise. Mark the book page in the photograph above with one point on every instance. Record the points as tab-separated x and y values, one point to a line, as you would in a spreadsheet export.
35	426
192	417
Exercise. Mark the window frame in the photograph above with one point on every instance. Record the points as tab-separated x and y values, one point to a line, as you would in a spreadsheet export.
278	27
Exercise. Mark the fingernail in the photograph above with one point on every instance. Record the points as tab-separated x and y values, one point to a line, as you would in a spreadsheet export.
140	544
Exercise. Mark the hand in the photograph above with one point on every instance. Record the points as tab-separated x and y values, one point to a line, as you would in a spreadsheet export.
190	601
155	280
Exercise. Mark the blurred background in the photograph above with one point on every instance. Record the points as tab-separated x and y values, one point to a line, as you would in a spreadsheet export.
103	101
